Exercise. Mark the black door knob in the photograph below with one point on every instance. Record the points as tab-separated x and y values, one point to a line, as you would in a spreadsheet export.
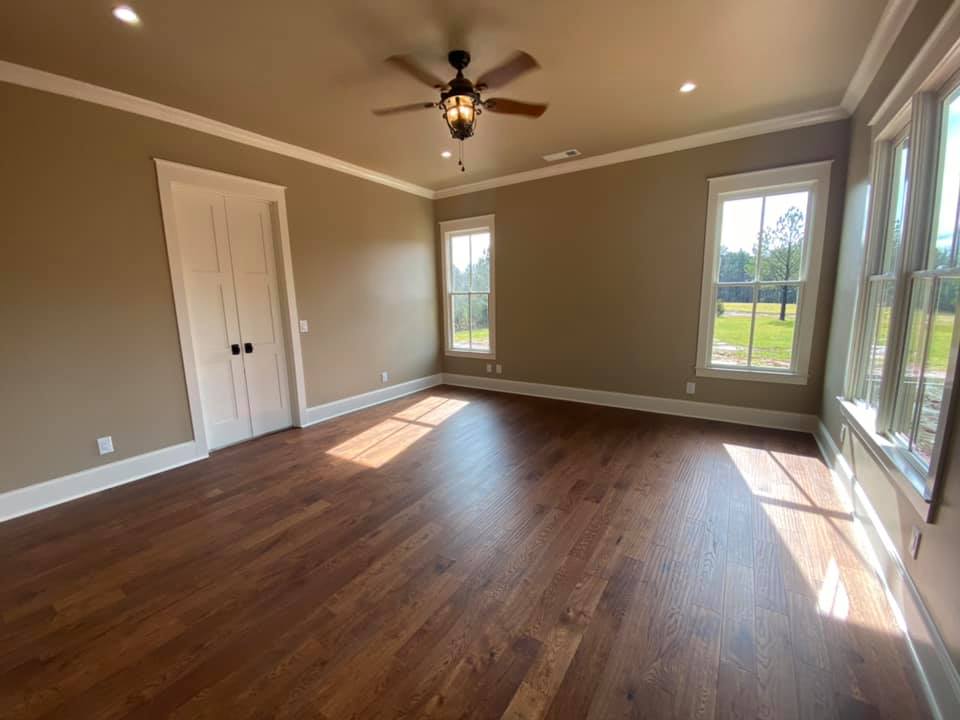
235	349
248	347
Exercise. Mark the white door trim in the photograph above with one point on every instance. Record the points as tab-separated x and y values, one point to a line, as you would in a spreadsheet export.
169	173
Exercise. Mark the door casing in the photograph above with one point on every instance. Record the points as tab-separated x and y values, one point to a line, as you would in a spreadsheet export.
171	173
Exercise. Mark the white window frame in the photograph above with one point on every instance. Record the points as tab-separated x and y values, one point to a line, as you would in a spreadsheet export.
449	228
812	177
922	113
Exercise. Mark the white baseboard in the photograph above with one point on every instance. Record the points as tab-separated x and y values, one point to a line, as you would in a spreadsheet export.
327	411
86	482
665	406
930	656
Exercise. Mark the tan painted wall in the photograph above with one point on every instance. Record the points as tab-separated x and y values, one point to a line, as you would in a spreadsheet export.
86	309
935	570
598	272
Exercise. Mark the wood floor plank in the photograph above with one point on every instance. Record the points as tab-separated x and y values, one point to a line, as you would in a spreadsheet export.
776	674
736	693
738	645
458	554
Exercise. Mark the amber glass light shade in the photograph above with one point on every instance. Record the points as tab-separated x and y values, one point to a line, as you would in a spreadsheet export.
460	113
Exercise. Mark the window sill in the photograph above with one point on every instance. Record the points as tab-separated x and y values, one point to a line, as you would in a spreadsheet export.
888	455
471	354
752	375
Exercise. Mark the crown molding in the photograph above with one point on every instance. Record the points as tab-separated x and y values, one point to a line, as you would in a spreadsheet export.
79	90
711	137
888	28
933	65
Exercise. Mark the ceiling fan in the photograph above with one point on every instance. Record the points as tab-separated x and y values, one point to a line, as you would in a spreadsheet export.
460	99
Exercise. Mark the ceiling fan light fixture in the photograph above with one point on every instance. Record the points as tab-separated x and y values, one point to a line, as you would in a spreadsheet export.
460	112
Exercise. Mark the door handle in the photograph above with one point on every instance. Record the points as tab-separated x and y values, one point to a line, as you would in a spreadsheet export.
235	349
248	347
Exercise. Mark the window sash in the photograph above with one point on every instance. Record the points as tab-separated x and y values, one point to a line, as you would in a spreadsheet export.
755	288
469	295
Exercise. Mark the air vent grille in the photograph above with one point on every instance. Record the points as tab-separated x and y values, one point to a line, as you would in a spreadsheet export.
562	155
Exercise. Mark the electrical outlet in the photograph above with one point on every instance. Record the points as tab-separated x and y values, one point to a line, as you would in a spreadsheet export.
691	388
489	367
499	369
304	326
915	541
384	376
105	445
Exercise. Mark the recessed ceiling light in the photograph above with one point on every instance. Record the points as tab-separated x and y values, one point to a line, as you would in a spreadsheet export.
688	87
446	154
126	14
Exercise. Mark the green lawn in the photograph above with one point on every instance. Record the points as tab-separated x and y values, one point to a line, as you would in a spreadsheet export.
481	336
762	308
772	339
938	353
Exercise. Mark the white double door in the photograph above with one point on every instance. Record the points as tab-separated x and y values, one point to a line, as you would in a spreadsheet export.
228	259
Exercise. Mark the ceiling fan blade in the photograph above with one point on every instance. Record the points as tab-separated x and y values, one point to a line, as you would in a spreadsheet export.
404	108
519	63
408	65
515	107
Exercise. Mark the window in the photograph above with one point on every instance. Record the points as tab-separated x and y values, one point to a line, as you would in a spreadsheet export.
902	370
881	273
761	270
468	286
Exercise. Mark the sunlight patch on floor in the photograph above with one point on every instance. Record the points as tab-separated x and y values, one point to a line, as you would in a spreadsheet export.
832	600
378	445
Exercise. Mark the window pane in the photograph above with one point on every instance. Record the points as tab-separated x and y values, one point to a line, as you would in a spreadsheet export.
480	322
480	261
739	230
948	188
731	326
935	367
876	331
898	199
908	389
773	329
784	229
460	263
460	310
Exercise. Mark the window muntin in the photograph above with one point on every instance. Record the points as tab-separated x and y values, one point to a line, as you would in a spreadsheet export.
468	286
763	251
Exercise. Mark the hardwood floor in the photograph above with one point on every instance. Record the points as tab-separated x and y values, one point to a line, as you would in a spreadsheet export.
458	554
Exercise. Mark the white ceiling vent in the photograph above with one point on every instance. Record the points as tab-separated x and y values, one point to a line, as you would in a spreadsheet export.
562	155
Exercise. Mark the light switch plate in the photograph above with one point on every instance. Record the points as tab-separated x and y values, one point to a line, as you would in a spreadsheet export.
499	369
304	326
384	376
105	445
691	388
489	367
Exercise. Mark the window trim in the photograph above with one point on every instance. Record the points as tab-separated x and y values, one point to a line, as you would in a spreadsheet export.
448	228
816	178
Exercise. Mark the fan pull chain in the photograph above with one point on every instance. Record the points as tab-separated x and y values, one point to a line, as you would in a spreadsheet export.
460	161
